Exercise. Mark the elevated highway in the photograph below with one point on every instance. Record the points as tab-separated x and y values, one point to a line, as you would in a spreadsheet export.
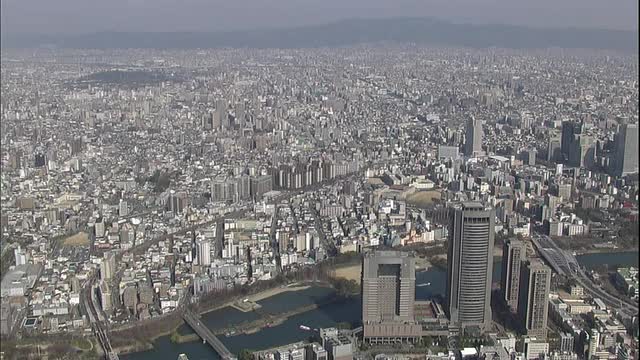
564	263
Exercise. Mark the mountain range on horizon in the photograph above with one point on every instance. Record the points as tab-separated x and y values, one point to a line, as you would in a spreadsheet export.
425	31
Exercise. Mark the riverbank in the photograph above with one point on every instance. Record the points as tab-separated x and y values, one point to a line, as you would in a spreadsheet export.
270	320
353	272
169	326
265	294
51	346
604	251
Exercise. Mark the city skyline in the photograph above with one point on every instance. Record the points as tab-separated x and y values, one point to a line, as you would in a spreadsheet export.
320	202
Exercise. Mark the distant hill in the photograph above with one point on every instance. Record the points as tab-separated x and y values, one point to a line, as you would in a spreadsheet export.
426	31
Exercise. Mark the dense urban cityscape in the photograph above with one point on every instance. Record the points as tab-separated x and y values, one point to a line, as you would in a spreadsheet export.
373	201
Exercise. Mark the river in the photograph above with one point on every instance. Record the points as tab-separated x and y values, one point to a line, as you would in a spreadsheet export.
325	316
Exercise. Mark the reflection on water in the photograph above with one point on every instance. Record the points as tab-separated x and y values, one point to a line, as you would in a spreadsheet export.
326	316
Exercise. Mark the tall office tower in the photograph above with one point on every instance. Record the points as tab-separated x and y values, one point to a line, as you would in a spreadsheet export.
178	202
469	268
554	152
388	296
244	187
473	138
533	309
221	117
240	114
512	256
626	160
203	249
582	151
569	129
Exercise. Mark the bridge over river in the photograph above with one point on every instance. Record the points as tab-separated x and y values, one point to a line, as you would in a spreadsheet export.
206	335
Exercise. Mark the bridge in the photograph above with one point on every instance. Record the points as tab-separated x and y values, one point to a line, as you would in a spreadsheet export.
561	262
564	263
206	335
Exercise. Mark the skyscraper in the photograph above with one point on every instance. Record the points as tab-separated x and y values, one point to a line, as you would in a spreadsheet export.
473	137
240	114
626	160
582	151
512	256
468	293
178	202
554	152
388	296
533	309
220	117
569	129
203	249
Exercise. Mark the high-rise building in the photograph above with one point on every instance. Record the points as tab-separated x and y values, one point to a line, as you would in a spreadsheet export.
107	266
473	137
470	265
388	297
220	117
554	152
21	256
244	187
569	129
99	227
594	343
106	300
566	342
240	114
260	185
512	256
203	252
533	301
76	145
626	161
123	208
582	151
178	202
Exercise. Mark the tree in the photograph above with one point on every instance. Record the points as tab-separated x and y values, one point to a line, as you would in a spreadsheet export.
427	341
245	354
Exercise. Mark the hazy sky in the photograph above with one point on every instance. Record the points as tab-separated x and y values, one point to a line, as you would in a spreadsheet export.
83	16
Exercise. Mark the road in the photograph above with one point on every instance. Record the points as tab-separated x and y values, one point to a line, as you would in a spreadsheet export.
89	299
206	335
564	263
99	322
328	245
274	243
